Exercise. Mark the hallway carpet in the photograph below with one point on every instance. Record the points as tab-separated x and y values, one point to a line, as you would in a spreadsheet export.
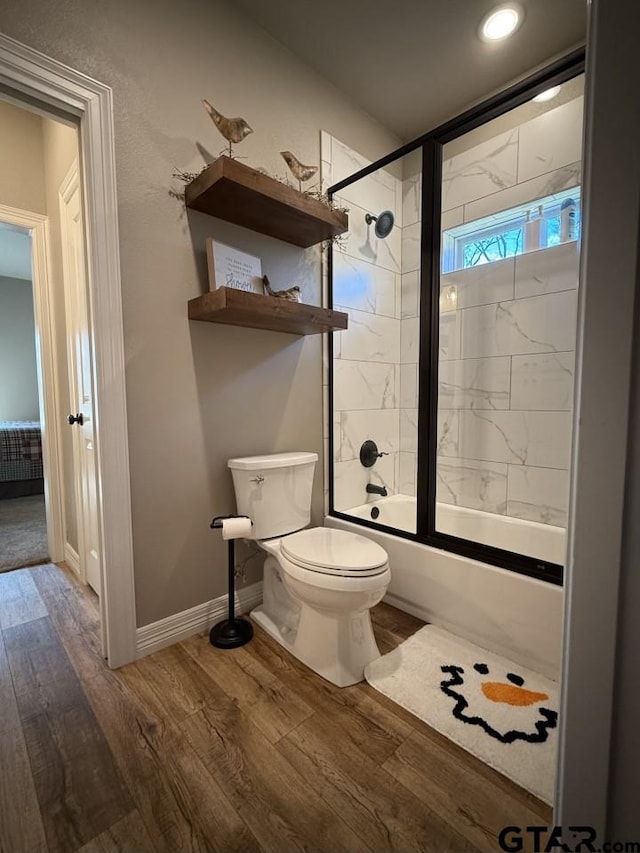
23	533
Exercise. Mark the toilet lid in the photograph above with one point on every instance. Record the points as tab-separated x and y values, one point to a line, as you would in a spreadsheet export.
333	551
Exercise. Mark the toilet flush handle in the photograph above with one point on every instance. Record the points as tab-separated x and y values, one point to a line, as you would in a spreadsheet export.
257	479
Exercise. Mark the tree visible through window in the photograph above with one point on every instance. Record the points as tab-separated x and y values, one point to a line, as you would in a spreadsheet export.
493	248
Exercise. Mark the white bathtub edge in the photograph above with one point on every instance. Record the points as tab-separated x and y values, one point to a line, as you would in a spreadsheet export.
501	611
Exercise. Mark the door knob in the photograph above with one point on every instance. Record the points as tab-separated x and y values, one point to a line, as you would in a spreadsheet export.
76	419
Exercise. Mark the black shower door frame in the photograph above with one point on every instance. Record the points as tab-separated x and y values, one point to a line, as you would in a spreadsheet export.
432	144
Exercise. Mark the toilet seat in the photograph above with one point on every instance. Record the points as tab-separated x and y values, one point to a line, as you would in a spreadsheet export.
327	551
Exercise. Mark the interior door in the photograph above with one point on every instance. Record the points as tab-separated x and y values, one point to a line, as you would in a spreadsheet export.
81	417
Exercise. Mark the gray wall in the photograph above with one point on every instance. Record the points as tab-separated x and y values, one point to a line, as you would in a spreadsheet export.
197	393
18	377
599	748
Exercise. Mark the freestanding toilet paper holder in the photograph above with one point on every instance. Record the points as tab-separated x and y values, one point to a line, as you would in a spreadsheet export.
231	632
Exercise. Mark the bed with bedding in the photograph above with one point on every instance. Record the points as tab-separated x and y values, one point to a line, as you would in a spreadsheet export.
20	459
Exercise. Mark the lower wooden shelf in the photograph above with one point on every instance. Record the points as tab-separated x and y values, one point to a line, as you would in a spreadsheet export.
241	308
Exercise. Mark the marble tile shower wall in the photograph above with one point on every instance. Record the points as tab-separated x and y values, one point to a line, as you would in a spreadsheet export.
507	351
366	366
409	332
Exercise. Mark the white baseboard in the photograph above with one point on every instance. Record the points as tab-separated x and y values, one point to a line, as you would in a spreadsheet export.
72	558
151	638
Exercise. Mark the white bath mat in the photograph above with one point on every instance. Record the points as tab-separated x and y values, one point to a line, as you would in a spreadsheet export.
501	712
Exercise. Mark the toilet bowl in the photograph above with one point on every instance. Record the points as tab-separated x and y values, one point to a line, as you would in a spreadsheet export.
320	611
319	583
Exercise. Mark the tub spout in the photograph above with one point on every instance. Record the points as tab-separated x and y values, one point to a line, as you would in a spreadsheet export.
372	489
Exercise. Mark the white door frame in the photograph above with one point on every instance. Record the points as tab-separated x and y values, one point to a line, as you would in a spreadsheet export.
40	78
46	365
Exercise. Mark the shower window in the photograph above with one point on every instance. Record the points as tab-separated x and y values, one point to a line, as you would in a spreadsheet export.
460	274
513	232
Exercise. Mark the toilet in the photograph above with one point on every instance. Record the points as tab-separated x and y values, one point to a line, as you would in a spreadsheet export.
319	583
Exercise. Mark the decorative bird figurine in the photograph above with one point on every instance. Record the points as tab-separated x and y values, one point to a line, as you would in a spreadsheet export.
233	129
299	171
292	294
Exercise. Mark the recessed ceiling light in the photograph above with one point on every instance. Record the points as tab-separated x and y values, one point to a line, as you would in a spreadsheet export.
547	94
501	22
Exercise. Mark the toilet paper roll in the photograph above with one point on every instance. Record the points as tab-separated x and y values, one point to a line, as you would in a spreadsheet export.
236	528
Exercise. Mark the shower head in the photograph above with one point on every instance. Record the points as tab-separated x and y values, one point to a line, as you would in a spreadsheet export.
384	223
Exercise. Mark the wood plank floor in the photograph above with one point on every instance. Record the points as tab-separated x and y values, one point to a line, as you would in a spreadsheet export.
198	749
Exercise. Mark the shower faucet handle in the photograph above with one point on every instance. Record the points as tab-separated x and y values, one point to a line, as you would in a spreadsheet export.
369	453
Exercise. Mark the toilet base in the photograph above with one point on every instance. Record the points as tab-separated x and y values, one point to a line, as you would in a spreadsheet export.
337	646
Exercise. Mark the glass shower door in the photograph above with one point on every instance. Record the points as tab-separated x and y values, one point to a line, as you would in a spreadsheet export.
507	323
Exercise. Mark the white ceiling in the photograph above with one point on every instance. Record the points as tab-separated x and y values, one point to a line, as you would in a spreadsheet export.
413	64
15	252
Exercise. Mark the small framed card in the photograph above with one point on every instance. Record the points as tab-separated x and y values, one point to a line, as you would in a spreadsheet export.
229	267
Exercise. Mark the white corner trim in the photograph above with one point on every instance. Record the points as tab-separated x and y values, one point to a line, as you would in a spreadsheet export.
151	638
71	558
42	79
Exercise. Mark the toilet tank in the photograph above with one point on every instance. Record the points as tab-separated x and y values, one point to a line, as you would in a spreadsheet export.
274	491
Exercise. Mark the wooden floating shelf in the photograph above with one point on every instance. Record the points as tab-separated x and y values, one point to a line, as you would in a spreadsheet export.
242	195
241	308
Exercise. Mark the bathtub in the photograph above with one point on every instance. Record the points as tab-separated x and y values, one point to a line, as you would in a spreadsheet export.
502	611
543	541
